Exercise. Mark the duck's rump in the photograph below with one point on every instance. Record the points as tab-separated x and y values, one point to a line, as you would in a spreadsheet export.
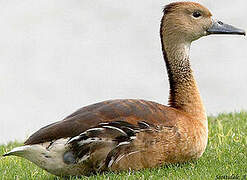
128	110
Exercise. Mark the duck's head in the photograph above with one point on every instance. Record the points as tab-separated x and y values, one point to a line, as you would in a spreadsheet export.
188	21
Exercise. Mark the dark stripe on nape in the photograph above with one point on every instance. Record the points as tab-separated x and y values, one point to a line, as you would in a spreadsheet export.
168	66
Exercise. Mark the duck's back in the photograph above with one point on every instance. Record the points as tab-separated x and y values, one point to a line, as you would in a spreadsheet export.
128	110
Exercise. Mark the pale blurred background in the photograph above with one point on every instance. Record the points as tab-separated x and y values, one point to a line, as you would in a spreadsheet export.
59	55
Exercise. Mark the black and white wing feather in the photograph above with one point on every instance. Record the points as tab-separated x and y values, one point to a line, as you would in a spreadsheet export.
105	144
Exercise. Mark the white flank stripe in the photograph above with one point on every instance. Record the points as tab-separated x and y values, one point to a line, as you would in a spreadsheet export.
122	156
85	157
110	163
87	141
84	133
73	139
95	129
18	149
122	143
142	122
132	153
103	124
115	128
119	158
133	137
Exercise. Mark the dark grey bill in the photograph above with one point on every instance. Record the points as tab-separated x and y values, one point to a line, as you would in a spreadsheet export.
219	27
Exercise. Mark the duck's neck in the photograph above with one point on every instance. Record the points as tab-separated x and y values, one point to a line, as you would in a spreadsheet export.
184	94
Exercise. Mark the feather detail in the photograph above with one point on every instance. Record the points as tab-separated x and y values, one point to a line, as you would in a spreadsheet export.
109	142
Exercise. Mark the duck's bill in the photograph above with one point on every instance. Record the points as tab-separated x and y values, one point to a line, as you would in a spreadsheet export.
219	27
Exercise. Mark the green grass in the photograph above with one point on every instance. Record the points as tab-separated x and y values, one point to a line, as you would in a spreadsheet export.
226	155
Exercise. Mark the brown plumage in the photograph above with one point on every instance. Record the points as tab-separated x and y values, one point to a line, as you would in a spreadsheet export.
135	134
129	110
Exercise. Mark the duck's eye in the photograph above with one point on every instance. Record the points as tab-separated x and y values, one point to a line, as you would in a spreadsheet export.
196	14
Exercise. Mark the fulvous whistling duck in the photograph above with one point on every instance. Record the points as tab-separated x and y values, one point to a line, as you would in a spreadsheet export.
131	134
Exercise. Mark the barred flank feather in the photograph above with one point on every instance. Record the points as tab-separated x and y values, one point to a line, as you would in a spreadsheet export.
113	138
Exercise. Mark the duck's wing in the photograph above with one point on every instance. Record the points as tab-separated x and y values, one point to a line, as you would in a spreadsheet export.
111	145
127	110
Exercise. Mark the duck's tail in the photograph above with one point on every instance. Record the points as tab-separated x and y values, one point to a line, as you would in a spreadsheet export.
18	151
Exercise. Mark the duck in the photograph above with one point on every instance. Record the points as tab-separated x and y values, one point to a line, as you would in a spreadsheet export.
134	134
